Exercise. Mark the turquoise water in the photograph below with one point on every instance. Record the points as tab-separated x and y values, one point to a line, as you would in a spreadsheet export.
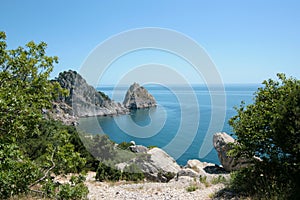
160	126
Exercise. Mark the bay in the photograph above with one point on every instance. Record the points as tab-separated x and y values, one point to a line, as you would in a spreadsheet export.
178	124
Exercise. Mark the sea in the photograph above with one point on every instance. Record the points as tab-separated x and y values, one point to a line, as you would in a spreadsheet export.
182	124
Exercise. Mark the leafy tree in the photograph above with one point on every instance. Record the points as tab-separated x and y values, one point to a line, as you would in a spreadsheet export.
16	171
24	89
270	129
24	92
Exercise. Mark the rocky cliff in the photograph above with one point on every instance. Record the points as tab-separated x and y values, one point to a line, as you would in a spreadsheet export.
138	97
86	100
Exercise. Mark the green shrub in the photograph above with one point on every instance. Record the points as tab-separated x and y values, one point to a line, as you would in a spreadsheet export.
219	179
124	145
192	188
103	95
152	146
110	173
132	173
107	173
203	179
270	130
75	189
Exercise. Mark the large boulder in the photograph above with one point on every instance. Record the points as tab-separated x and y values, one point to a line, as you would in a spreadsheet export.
138	97
196	168
156	164
222	143
86	100
138	149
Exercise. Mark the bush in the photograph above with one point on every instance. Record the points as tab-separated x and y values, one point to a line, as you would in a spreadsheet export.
110	173
219	179
167	176
124	145
107	173
270	129
203	179
192	188
75	189
152	146
132	173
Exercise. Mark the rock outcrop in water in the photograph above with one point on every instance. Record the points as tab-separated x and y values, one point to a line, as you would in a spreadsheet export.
138	97
86	100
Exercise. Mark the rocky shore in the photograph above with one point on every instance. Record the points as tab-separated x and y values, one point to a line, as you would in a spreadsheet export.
195	180
83	100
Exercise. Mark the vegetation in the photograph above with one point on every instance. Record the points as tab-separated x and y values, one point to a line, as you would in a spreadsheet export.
203	179
110	173
192	187
33	148
30	149
152	146
75	189
124	145
270	130
167	176
218	179
104	96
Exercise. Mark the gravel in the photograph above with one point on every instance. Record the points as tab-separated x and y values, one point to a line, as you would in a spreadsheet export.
150	190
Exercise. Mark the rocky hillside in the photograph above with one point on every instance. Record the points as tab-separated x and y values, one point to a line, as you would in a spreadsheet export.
86	100
138	97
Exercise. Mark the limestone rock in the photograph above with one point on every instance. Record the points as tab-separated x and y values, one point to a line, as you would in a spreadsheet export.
221	143
163	161
138	97
85	99
196	168
63	112
156	164
138	149
188	172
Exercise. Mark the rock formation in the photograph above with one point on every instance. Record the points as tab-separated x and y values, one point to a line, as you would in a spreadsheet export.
85	99
221	143
156	164
138	97
196	168
61	112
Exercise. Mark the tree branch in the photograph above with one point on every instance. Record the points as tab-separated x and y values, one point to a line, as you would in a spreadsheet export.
46	173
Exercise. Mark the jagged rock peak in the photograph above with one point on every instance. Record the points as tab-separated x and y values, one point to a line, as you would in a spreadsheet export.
85	99
138	97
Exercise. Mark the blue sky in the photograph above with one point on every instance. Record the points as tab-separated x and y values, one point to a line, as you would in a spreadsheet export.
248	41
